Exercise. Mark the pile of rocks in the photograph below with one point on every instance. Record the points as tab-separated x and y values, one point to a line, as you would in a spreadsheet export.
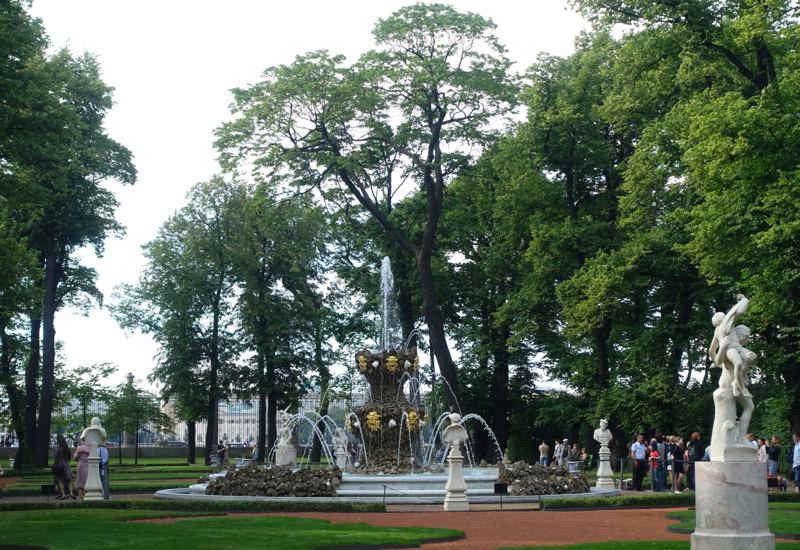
389	468
538	479
277	481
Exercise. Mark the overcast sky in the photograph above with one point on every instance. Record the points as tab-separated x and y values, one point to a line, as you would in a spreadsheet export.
173	63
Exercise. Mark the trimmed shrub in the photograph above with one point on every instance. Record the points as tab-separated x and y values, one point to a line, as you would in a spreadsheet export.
201	506
24	457
670	499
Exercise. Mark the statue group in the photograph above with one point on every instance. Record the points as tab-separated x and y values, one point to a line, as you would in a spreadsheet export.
727	351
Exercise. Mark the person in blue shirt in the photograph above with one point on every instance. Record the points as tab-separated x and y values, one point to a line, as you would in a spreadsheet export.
103	453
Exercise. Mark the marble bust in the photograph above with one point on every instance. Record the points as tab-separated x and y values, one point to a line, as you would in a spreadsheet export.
94	435
602	434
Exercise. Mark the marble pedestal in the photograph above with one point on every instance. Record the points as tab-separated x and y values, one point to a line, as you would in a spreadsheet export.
456	486
94	487
731	502
286	455
605	475
341	458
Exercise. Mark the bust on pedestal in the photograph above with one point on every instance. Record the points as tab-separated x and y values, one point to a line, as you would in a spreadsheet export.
731	490
605	475
94	436
454	435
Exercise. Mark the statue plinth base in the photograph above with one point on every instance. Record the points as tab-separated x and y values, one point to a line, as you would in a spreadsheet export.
605	475
731	504
456	487
286	455
341	459
93	488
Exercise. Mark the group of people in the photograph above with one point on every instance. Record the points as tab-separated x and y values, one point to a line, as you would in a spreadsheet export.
562	453
666	455
6	441
62	470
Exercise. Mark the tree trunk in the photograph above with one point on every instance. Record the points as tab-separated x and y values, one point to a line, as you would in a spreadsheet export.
272	414
15	397
262	425
501	425
212	423
325	380
42	447
438	340
191	434
32	381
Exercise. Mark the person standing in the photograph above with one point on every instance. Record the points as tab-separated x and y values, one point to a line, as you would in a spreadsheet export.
221	450
677	464
102	452
796	459
64	476
774	456
564	452
695	450
763	451
639	457
82	456
557	452
544	452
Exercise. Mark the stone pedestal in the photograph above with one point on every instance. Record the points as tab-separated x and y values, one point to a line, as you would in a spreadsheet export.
341	458
94	487
731	502
605	475
456	487
286	455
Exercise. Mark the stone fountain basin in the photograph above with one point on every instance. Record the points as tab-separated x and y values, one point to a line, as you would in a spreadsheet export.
426	488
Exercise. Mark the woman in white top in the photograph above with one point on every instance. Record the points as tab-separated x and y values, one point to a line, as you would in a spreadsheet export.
763	450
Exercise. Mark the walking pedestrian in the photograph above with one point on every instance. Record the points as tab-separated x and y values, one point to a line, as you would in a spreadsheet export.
677	465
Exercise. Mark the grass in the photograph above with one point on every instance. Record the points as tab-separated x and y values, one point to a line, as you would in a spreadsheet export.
60	529
780	521
617	545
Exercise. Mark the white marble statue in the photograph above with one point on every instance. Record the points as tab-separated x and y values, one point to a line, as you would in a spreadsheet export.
605	475
454	435
286	429
727	351
94	436
340	444
286	453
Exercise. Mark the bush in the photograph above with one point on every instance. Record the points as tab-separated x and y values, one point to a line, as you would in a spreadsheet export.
783	497
681	499
201	506
24	457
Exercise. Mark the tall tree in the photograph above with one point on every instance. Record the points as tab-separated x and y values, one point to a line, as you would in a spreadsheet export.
726	142
428	96
184	298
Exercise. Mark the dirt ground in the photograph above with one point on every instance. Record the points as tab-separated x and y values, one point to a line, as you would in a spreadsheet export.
491	530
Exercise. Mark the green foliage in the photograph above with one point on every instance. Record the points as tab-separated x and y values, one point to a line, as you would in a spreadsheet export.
24	456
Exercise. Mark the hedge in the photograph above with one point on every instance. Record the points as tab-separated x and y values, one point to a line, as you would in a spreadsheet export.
680	499
113	488
202	505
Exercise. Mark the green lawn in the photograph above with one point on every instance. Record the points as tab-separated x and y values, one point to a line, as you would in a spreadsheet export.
780	520
64	529
627	545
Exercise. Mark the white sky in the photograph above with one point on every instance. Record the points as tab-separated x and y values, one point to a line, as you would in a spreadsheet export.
172	63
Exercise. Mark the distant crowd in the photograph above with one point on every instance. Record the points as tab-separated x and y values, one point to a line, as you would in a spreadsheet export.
670	456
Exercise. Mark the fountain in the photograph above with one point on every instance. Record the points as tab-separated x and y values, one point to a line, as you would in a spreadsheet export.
395	463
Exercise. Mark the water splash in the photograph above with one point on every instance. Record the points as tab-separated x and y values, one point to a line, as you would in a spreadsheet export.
387	293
